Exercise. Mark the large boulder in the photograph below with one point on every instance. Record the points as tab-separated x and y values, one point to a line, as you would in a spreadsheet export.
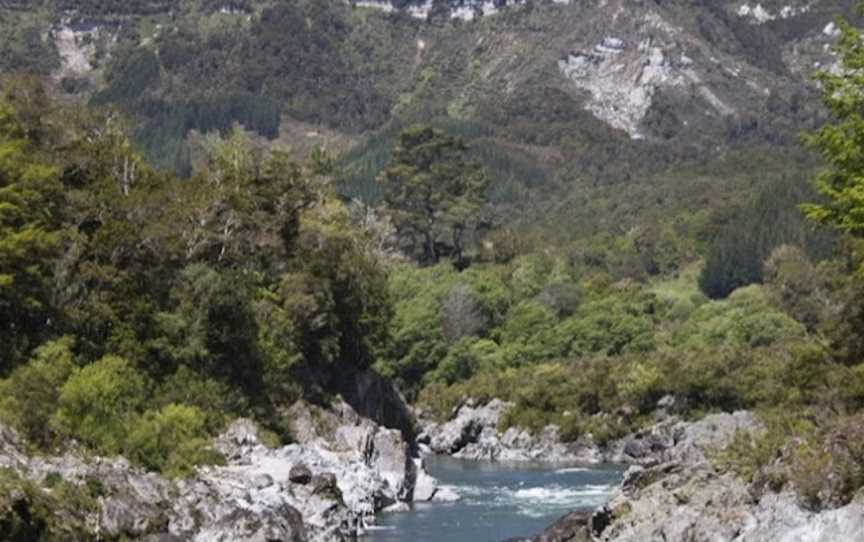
341	430
377	399
574	527
299	474
680	503
680	496
678	441
425	486
473	433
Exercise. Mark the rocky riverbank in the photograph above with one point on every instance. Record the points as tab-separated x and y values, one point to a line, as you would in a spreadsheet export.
673	490
328	486
472	433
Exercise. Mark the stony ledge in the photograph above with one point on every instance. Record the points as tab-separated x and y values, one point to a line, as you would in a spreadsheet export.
672	491
327	487
345	468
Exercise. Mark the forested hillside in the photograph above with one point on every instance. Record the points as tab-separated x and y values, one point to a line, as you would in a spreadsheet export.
211	209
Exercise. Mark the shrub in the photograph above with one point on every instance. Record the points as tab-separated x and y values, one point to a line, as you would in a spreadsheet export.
822	459
796	285
467	357
746	318
29	397
99	403
216	400
32	513
171	440
525	321
461	314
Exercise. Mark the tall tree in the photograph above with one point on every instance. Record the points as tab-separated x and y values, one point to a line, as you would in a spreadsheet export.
841	142
433	193
30	203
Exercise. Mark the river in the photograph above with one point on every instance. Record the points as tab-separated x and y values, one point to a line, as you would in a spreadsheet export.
497	502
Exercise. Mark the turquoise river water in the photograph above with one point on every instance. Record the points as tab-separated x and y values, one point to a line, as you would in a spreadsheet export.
498	501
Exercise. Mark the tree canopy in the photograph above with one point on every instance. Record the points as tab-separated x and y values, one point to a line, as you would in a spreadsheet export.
841	142
433	193
130	298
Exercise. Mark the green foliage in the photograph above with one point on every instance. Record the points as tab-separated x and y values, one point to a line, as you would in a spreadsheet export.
30	198
466	358
212	328
745	318
219	401
432	193
235	292
839	142
798	286
163	137
171	440
30	396
99	403
736	254
512	173
752	455
23	49
29	513
245	287
820	458
130	77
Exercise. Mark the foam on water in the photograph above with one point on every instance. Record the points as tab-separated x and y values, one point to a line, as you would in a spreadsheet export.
572	470
498	501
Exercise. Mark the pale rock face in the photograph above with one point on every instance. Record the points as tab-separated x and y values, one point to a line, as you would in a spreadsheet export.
618	58
635	53
691	502
326	488
683	497
473	434
758	14
425	488
77	48
466	10
621	79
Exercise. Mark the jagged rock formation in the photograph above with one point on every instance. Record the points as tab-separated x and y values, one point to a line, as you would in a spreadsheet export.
685	497
326	487
473	433
465	10
681	496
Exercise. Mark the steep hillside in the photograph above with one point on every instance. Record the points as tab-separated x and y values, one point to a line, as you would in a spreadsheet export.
689	104
557	79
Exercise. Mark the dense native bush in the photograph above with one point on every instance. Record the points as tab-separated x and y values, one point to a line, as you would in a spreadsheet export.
143	312
51	514
30	395
600	367
99	403
736	254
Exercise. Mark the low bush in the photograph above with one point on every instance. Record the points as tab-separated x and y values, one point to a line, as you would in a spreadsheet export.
30	396
172	440
99	403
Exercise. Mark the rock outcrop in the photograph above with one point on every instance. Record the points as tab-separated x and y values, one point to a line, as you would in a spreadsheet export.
679	496
326	487
473	433
574	527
